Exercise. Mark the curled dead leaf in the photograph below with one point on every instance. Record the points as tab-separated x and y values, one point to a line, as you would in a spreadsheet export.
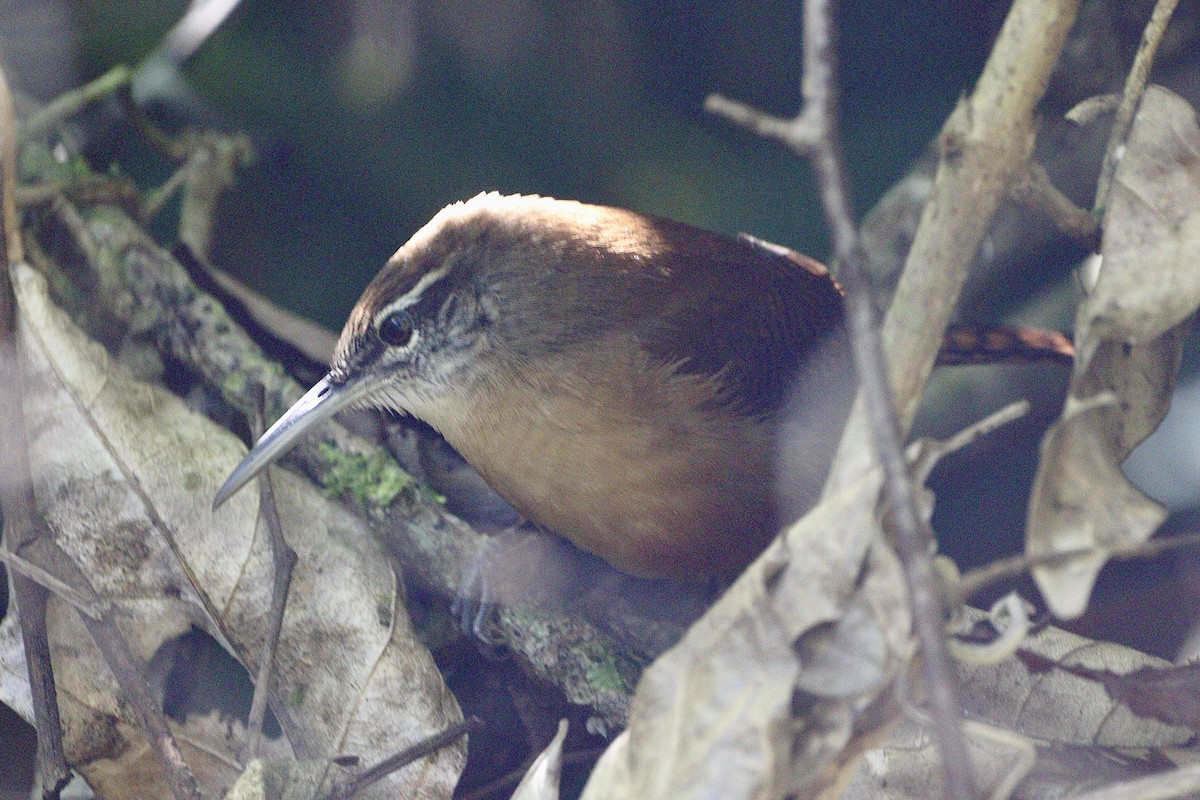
1129	335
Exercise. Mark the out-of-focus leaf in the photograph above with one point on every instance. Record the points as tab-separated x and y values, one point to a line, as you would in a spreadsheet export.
541	779
124	474
733	711
1129	334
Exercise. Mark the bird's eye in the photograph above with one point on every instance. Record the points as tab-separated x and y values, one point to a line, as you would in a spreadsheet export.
397	329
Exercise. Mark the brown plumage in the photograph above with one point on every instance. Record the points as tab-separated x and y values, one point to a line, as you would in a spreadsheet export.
627	374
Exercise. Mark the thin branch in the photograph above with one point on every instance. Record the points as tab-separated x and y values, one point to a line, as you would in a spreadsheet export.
928	453
22	522
88	189
52	770
986	144
1131	97
135	691
157	199
405	757
977	580
283	559
913	539
208	164
52	569
815	134
68	105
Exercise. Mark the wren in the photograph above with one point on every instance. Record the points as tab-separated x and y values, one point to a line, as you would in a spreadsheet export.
662	396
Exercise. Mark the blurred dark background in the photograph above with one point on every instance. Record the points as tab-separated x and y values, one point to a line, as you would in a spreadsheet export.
370	115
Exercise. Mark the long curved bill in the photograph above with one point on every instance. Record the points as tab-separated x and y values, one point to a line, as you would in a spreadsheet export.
317	405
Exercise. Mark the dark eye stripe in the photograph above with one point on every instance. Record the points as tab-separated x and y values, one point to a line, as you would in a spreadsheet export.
432	300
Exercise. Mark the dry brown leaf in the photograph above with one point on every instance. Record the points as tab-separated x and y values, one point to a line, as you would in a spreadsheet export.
1129	334
1054	705
124	474
204	740
908	766
717	715
279	780
1169	694
1051	693
1150	279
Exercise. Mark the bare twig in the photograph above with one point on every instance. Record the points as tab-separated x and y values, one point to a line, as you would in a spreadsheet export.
89	189
22	523
283	559
52	770
1131	97
929	452
157	199
216	158
208	165
54	572
986	145
207	169
405	757
912	537
978	579
814	133
71	103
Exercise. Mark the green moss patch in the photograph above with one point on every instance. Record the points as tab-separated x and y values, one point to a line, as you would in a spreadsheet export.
373	481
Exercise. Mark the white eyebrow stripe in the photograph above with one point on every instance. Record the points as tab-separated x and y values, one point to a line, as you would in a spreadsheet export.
413	295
